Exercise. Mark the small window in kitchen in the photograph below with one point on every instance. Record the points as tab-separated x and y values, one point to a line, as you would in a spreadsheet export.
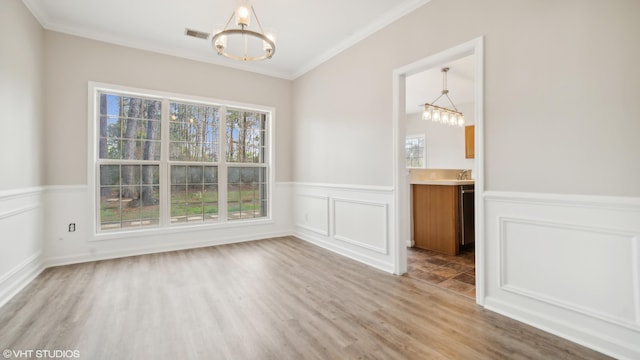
414	151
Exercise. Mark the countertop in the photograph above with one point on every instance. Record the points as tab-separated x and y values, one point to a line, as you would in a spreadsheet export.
442	182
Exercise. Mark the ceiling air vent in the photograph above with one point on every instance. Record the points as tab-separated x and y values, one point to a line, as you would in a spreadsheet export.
196	34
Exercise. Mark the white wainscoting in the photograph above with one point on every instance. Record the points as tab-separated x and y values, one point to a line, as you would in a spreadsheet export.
354	221
361	223
20	239
567	264
70	204
314	214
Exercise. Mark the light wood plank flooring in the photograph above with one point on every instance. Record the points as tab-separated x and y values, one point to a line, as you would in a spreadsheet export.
272	299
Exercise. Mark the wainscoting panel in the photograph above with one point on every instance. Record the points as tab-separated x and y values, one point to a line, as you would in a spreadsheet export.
357	223
361	223
524	242
315	216
567	264
20	239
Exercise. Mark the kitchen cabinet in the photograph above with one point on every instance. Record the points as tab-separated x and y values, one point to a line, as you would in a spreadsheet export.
436	218
442	217
469	142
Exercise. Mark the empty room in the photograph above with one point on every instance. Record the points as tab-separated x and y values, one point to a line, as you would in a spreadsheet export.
382	179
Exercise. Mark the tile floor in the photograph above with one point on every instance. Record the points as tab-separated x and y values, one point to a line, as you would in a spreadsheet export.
455	273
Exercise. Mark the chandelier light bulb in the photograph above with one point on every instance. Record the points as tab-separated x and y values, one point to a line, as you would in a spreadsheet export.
221	43
243	16
436	115
445	117
426	115
265	45
461	121
271	36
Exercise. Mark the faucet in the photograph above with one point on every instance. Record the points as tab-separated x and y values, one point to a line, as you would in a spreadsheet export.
462	174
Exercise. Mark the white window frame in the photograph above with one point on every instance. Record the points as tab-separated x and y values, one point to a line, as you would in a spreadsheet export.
424	150
165	221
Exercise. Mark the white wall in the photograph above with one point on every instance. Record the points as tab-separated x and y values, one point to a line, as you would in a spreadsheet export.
560	117
444	143
21	101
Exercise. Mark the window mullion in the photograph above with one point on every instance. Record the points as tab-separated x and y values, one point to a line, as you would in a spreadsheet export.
222	165
165	181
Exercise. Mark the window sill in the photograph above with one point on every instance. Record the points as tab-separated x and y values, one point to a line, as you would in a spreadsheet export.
178	229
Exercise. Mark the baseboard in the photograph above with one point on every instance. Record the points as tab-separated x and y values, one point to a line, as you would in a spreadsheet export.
605	344
345	252
77	259
19	277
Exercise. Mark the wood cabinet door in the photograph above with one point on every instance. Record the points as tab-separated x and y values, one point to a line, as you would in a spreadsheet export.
469	142
435	218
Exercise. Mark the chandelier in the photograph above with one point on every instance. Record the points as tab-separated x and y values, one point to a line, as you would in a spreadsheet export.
442	114
241	43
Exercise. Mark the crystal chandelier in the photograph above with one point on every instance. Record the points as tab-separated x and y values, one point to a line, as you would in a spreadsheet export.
442	114
248	45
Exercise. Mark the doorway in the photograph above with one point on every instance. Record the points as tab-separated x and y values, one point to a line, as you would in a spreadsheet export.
401	178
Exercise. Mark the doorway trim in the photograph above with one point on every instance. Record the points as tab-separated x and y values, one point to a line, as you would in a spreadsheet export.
401	180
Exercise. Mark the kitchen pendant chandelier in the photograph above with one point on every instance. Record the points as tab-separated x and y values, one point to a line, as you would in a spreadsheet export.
442	114
241	43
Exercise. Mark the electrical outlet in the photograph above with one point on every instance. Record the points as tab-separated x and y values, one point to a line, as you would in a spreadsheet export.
72	227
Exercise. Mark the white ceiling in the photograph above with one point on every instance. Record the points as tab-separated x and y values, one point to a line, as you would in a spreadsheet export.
426	86
307	32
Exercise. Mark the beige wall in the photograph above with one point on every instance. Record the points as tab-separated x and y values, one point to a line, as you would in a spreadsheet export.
561	87
72	62
21	101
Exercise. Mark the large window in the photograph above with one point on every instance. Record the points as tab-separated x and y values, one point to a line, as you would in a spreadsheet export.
163	162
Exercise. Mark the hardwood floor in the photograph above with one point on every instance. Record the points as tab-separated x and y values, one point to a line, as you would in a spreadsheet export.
272	299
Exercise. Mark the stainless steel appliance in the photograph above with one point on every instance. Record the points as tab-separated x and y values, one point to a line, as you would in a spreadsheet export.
467	215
